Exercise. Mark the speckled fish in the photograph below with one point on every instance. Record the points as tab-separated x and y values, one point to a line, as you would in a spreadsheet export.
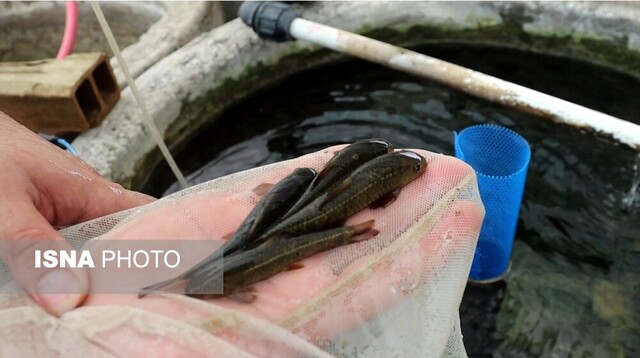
373	184
248	267
340	166
271	207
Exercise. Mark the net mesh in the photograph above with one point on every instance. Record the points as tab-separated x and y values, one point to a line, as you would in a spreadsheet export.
394	295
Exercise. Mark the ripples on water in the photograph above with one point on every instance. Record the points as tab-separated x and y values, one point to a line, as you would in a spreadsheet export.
574	286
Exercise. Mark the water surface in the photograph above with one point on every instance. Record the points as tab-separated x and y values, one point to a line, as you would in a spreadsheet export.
573	290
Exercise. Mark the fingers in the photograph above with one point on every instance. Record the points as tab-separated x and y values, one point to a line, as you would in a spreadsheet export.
215	213
75	193
106	198
57	290
426	261
42	185
67	189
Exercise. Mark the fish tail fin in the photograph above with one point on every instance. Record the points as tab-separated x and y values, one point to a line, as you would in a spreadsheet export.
157	286
364	231
363	227
244	295
366	235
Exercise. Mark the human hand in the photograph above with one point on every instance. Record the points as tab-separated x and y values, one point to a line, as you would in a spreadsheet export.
42	186
410	264
312	302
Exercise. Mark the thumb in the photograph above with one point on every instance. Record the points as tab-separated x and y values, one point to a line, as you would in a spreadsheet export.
56	289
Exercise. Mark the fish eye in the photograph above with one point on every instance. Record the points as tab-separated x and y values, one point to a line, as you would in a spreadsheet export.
416	168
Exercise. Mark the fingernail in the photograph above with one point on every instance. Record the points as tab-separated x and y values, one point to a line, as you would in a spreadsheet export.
59	291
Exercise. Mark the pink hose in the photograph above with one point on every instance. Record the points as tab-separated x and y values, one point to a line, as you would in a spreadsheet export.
70	30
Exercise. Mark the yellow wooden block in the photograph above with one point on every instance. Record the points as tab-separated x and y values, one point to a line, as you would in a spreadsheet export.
59	96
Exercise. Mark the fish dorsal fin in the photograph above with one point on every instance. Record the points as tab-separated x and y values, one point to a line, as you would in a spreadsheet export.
262	189
323	173
264	241
385	200
335	192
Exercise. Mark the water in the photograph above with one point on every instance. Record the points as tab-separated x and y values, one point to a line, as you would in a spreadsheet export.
574	286
632	196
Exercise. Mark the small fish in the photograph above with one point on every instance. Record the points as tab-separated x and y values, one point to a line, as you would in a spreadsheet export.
273	205
340	166
373	184
252	266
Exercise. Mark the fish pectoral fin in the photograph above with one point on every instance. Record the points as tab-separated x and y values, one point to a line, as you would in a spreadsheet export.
227	236
385	200
244	295
295	266
262	189
264	241
335	191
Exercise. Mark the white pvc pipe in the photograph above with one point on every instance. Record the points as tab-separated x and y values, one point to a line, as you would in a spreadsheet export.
464	79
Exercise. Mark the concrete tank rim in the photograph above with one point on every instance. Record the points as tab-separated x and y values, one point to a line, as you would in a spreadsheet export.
175	24
122	150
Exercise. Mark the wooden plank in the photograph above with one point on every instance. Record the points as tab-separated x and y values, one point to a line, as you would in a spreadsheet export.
59	96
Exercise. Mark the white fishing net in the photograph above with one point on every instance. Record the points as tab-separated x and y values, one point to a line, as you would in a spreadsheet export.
395	295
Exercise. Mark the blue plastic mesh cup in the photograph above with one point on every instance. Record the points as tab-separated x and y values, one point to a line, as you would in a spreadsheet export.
500	158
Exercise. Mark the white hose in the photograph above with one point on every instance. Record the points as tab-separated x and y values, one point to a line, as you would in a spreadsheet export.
464	79
151	126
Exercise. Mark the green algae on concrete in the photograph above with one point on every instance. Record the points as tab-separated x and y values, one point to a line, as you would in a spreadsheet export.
512	34
203	111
